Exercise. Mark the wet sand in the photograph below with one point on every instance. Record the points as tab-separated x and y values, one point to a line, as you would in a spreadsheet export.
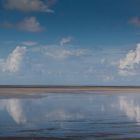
83	89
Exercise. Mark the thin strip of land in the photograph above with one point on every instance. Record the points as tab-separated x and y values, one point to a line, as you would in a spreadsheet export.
14	90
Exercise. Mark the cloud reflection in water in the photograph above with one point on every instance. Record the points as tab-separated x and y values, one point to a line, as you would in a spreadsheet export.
131	107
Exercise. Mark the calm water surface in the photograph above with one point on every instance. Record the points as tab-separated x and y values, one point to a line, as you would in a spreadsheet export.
71	116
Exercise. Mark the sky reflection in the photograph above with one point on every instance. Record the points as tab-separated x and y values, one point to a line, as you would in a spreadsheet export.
67	114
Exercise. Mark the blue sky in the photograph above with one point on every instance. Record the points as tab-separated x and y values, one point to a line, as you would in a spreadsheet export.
70	42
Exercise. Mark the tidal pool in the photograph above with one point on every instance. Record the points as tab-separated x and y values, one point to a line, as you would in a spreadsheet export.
71	116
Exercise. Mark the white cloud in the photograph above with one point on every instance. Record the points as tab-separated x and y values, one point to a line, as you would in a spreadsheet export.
135	21
15	110
126	65
63	53
29	5
126	73
30	24
13	61
65	40
29	43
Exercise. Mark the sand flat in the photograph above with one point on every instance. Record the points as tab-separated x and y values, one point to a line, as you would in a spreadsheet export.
37	90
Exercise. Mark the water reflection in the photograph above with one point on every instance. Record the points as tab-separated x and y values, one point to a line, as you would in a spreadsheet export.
15	110
131	106
71	115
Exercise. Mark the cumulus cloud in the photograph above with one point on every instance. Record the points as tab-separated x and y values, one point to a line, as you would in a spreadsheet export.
30	24
65	40
126	65
30	5
15	110
135	21
13	61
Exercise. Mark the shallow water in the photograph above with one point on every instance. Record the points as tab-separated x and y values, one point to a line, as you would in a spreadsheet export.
71	116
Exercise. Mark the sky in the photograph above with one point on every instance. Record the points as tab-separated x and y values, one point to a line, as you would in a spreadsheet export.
70	42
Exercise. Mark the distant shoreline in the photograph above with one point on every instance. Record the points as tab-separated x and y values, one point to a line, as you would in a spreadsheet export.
16	90
64	86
